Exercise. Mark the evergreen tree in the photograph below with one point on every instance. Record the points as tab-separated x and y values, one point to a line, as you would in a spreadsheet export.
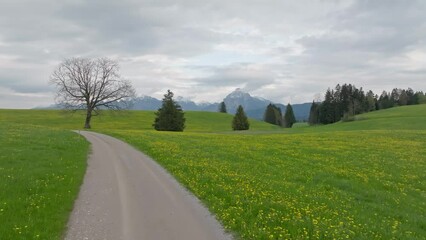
403	98
269	115
338	101
345	99
326	110
411	97
394	96
357	101
371	101
314	114
170	116
385	101
278	115
344	102
420	98
240	121
273	115
289	118
222	107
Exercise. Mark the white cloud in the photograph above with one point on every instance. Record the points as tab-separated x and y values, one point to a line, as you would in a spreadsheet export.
17	100
286	51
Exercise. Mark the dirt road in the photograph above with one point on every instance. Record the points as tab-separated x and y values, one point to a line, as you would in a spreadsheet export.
126	195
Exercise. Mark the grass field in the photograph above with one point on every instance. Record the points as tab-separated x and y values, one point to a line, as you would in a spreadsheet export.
332	185
364	179
363	184
128	120
41	170
42	164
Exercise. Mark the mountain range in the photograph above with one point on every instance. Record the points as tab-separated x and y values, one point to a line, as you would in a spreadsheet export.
253	106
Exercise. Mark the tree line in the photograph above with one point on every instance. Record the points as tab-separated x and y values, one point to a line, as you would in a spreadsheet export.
345	101
272	114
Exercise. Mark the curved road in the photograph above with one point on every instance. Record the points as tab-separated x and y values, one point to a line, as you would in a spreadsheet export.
126	195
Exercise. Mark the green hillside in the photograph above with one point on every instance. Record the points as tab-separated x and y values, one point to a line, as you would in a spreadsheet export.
402	118
397	118
128	120
364	179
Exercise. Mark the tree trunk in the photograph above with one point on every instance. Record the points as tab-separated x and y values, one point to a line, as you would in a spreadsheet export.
88	118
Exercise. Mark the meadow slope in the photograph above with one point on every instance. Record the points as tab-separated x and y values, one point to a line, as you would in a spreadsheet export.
338	181
363	179
42	164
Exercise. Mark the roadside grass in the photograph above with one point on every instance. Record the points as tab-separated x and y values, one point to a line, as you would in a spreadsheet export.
41	170
221	122
356	185
325	182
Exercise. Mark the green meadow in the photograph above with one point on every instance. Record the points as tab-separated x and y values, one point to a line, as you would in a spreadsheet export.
41	170
364	179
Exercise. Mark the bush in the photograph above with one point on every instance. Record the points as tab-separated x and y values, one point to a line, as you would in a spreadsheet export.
348	117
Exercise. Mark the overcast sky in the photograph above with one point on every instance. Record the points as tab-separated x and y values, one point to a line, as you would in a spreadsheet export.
285	51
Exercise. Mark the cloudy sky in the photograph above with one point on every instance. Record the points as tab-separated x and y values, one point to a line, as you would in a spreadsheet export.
285	51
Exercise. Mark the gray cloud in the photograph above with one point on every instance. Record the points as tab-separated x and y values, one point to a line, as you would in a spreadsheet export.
373	27
245	75
286	51
370	43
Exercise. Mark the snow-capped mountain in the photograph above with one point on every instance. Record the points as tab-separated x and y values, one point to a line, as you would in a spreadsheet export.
150	103
249	103
253	106
146	103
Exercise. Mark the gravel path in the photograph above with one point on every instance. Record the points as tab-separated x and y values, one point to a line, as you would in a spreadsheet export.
126	195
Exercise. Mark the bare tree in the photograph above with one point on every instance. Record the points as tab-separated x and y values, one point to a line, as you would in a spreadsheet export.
91	85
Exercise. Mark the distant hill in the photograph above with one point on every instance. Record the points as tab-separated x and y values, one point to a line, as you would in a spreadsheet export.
146	103
150	103
253	106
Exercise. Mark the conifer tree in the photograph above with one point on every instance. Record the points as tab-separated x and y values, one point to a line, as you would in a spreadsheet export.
240	121
314	114
403	98
385	101
170	116
222	107
326	110
371	101
273	115
289	118
347	101
278	115
269	115
412	99
420	98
